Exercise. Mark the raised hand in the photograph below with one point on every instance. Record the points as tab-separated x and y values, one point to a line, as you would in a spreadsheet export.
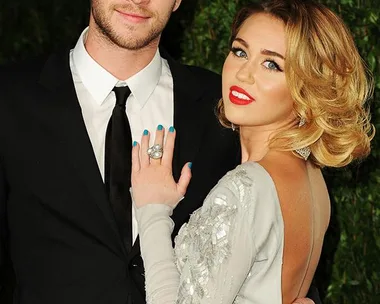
152	179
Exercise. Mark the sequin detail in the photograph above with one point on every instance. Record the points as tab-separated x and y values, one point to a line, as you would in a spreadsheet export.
203	243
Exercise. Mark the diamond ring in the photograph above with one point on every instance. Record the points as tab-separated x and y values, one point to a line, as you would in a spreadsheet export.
155	152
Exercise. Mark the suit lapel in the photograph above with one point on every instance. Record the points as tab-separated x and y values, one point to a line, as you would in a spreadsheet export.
71	132
188	114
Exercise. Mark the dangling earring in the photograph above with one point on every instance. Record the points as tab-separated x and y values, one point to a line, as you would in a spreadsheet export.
303	152
233	127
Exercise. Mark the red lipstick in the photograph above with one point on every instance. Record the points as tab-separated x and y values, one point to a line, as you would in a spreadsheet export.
239	96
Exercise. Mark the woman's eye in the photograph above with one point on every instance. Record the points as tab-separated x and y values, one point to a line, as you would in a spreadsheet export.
271	65
239	52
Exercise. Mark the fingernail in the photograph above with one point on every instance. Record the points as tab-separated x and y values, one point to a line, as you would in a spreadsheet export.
135	143
171	129
146	132
190	165
160	127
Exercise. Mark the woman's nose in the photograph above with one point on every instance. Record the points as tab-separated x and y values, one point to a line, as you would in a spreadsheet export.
246	74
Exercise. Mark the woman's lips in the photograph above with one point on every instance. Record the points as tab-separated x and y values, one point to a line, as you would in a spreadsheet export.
239	96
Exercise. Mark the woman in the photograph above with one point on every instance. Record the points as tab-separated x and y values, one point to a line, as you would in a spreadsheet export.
294	86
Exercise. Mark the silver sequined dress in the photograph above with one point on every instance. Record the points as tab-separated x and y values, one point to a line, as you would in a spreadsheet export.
230	251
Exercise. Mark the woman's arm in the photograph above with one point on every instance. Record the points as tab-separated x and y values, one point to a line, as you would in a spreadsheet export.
227	252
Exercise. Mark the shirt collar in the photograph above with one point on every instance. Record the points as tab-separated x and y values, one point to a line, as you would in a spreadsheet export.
99	82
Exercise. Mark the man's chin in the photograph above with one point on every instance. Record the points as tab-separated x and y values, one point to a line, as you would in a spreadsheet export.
133	44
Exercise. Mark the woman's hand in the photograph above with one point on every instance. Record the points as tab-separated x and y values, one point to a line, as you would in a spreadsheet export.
152	179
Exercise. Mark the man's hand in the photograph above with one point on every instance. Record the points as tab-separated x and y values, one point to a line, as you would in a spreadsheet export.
303	301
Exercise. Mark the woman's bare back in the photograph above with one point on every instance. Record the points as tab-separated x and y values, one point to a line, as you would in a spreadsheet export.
305	207
321	217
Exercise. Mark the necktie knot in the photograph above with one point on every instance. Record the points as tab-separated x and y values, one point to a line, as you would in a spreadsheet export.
122	94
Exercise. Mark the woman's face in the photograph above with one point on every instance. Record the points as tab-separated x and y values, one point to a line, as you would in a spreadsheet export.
255	92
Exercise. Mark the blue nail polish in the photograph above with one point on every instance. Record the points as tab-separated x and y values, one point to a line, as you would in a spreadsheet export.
146	132
190	165
135	143
160	127
171	129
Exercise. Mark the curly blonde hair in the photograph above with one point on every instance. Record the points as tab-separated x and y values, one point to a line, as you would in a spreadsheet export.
327	79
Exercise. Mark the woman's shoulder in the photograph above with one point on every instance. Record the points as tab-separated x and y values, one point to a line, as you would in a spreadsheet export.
247	175
247	187
284	169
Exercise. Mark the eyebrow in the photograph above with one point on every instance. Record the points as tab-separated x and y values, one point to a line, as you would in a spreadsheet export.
263	51
272	53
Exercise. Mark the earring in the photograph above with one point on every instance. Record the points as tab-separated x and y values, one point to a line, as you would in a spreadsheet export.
233	127
303	152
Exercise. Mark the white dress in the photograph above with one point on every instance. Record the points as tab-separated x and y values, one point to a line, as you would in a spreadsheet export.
230	251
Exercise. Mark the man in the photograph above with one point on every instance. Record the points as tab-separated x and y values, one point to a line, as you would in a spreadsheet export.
59	223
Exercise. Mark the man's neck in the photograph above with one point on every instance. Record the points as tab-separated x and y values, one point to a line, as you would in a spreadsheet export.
118	61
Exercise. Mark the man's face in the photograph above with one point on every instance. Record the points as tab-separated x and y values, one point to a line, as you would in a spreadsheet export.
132	24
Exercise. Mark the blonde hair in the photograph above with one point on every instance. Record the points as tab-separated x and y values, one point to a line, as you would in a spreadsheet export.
327	79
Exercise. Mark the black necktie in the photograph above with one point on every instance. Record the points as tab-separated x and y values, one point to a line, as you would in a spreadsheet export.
117	175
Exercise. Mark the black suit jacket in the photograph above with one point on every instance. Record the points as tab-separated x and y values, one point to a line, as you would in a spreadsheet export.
57	226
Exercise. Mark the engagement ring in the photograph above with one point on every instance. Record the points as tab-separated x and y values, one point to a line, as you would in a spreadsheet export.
155	152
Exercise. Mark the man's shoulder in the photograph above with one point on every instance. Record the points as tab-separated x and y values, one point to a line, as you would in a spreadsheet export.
23	72
28	72
204	73
192	69
209	82
204	76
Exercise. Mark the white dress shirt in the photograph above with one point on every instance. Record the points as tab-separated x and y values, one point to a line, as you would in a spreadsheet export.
150	103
